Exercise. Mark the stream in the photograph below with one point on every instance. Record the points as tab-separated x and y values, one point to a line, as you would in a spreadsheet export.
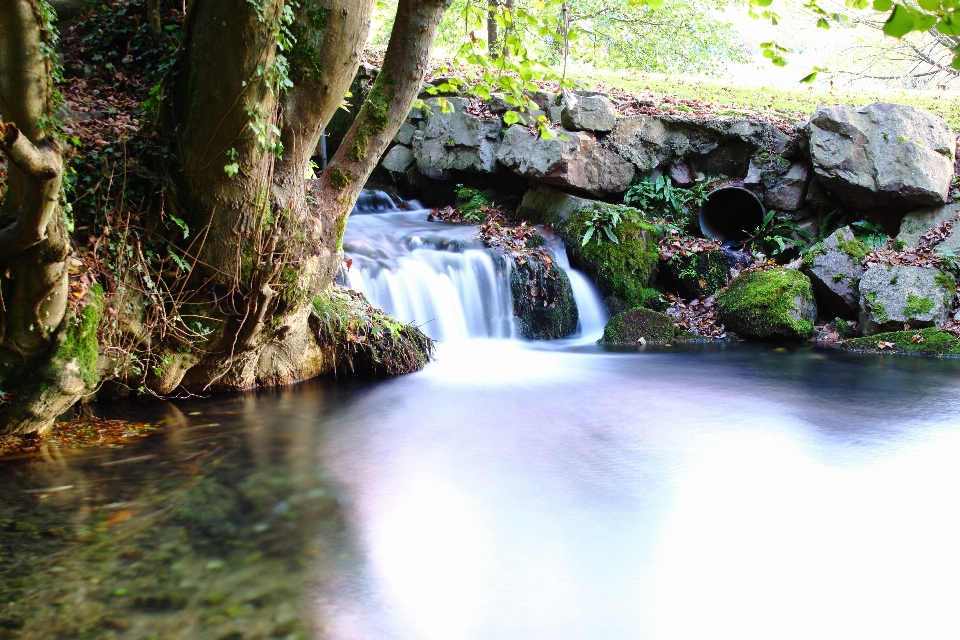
512	490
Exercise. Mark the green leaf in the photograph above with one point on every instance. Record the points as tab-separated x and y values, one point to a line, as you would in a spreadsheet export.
929	5
587	236
882	5
809	78
900	22
823	24
180	223
611	235
511	117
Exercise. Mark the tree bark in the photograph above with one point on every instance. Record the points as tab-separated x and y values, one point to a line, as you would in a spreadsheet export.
388	103
34	243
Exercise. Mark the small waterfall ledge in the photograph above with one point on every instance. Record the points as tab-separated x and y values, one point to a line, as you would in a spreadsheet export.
439	277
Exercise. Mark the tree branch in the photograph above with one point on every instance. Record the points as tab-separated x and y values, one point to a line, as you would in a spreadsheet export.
25	155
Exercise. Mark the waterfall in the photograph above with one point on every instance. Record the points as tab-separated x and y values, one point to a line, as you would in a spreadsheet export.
439	277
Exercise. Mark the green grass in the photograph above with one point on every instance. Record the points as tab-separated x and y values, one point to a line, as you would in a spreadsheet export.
727	98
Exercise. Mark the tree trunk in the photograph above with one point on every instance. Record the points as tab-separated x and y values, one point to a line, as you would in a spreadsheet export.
492	37
39	366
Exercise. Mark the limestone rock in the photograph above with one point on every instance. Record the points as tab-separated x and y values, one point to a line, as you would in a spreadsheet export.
455	140
639	326
882	155
546	204
916	223
577	161
588	113
891	296
769	305
718	146
834	269
398	159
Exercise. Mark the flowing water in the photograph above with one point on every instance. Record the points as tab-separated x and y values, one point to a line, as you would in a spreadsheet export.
511	490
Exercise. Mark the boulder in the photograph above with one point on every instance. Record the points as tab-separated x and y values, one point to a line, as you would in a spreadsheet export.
882	155
769	305
925	342
398	159
546	204
892	296
626	269
588	113
682	175
542	300
695	274
783	183
529	117
916	223
642	326
569	159
543	99
718	146
834	269
455	140
498	104
405	134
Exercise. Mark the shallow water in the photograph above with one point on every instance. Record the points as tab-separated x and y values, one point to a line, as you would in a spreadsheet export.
511	490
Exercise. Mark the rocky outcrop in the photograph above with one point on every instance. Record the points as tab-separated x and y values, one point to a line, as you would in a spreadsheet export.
721	146
640	326
570	159
892	296
455	140
834	269
769	305
546	204
916	223
626	269
398	159
882	155
542	299
588	113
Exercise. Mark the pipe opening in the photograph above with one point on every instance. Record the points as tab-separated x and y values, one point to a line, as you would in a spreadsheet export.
729	214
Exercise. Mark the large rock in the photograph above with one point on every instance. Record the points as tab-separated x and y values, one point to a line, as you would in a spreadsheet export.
891	296
543	300
398	159
639	326
882	155
546	204
769	305
455	140
718	146
783	183
626	269
916	223
588	113
569	159
834	269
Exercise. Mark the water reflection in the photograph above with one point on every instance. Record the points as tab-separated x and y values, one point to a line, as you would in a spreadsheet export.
512	491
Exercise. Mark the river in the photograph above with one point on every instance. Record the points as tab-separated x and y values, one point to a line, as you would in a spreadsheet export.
511	490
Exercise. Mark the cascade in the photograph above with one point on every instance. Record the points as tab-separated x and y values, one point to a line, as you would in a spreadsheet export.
439	277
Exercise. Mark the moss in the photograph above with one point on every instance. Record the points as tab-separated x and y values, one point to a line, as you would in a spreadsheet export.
695	274
917	306
629	327
340	179
291	293
775	304
946	282
626	270
363	339
373	118
931	342
855	248
80	343
543	300
307	30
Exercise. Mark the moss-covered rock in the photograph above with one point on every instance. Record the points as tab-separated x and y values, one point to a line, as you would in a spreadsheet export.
695	274
926	342
543	299
894	295
632	327
626	269
769	305
363	339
